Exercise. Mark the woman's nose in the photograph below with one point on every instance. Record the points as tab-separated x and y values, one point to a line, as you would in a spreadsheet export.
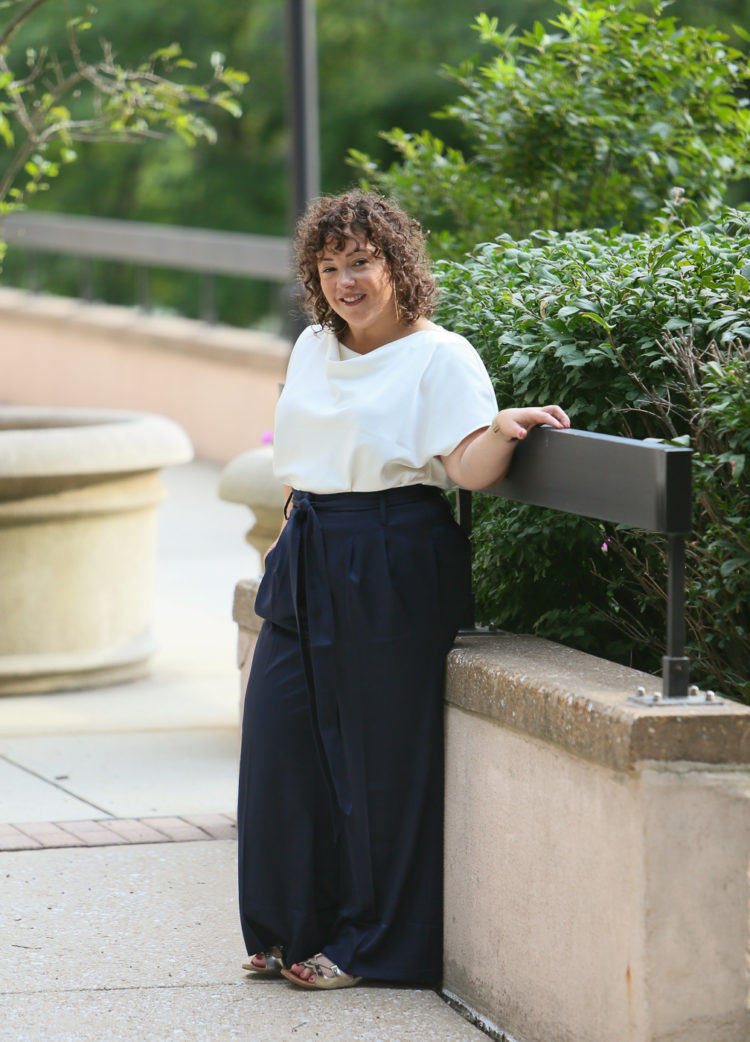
346	277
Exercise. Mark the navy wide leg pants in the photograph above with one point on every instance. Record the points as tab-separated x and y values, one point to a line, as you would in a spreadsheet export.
340	814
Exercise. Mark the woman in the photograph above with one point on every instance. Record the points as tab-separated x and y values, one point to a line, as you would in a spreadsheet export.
341	780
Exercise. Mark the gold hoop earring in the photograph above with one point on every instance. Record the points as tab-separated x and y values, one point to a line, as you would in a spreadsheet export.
398	309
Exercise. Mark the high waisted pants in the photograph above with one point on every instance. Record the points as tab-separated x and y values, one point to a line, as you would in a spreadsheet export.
340	814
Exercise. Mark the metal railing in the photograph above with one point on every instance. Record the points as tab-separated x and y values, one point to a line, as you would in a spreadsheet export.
645	484
199	250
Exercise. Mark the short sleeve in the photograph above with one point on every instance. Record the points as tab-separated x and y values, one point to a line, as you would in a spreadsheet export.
457	397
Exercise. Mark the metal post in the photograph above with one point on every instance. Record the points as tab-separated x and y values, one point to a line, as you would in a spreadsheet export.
143	288
463	517
208	298
463	510
86	279
304	159
32	270
303	104
675	666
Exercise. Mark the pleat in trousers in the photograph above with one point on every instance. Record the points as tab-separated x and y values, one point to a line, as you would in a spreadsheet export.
340	813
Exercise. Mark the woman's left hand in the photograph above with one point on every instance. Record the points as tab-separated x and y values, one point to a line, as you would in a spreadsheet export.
515	424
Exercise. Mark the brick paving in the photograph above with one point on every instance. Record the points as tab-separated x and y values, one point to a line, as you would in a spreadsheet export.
109	832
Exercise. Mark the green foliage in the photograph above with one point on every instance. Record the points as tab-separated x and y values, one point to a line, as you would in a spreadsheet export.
639	335
50	101
588	121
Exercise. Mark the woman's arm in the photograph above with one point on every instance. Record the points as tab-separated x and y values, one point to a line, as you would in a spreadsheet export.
484	456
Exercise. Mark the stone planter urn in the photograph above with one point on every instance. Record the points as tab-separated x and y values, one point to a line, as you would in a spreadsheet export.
79	492
249	479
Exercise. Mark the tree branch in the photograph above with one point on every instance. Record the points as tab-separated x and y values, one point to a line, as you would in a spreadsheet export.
18	21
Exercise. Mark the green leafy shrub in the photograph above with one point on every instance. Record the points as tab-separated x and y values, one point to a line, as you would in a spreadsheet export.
641	335
589	121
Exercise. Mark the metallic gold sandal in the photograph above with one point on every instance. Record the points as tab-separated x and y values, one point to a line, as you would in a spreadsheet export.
337	978
274	963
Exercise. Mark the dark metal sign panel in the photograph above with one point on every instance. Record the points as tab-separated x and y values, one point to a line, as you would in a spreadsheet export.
640	483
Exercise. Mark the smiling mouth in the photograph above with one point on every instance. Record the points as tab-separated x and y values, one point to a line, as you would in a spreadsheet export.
352	300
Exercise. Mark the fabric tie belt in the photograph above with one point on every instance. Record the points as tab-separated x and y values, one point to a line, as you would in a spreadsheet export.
313	607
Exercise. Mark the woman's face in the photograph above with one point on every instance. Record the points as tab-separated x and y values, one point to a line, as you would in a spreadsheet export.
356	281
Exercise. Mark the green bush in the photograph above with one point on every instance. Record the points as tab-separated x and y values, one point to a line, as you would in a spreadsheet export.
641	335
589	121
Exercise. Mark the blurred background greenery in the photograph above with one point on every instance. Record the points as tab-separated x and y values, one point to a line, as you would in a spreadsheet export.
379	67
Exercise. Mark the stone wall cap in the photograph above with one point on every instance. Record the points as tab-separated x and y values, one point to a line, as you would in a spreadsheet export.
230	344
37	441
579	701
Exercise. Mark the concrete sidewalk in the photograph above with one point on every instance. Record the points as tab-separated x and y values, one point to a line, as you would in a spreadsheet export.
118	916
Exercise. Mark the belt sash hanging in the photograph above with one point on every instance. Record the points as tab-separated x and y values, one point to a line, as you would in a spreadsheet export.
313	607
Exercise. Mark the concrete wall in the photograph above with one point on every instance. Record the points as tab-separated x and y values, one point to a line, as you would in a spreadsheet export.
597	853
218	382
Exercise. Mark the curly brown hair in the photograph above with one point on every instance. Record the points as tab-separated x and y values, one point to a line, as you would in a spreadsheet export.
396	236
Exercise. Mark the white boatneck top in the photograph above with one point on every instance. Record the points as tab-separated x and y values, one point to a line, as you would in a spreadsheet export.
347	422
